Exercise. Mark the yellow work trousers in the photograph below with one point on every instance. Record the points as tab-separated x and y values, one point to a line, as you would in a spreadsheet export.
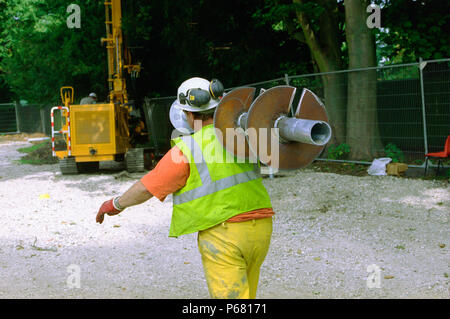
232	255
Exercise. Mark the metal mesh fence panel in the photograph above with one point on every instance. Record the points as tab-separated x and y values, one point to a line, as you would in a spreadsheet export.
8	120
29	118
399	112
399	108
436	82
396	107
46	120
156	113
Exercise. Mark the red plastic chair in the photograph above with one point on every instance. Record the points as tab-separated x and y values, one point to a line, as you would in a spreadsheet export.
440	155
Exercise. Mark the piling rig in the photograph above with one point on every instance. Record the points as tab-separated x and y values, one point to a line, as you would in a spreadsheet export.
110	131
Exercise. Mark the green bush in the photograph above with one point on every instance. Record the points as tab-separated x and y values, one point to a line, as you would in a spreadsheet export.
394	152
338	152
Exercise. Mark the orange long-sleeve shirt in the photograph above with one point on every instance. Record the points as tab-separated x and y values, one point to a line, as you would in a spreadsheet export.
170	175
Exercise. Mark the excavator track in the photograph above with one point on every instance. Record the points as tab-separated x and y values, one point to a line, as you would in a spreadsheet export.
134	160
68	166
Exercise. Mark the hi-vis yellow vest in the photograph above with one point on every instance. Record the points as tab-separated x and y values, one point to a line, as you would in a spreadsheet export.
216	188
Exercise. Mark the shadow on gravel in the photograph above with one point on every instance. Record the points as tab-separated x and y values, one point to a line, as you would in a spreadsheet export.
100	182
97	183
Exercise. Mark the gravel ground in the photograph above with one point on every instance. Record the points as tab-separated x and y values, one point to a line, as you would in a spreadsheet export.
328	229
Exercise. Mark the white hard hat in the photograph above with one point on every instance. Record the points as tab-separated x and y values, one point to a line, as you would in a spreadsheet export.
198	95
93	95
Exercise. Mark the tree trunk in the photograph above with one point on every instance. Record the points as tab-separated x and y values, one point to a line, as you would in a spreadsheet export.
362	123
335	91
325	47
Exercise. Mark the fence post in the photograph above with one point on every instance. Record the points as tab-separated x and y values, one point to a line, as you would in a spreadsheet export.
422	65
16	108
286	79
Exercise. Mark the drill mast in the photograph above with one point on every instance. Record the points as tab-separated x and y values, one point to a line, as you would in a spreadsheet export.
119	58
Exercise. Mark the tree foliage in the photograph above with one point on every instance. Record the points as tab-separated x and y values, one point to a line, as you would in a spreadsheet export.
178	39
238	42
39	53
173	40
412	29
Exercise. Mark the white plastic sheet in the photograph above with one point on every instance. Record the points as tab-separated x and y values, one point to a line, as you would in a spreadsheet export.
378	166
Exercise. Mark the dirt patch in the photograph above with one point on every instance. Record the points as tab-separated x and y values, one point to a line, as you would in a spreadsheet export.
21	137
361	170
38	154
340	168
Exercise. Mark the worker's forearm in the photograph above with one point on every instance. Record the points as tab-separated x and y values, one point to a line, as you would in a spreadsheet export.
136	194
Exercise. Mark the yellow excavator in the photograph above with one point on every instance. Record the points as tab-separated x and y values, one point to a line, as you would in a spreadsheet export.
91	133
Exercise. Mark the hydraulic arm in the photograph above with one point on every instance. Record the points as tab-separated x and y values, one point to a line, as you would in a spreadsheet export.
119	58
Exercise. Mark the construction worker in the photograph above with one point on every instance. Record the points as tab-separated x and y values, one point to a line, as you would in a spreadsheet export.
225	202
91	99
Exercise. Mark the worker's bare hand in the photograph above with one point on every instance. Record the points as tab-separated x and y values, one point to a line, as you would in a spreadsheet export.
106	208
